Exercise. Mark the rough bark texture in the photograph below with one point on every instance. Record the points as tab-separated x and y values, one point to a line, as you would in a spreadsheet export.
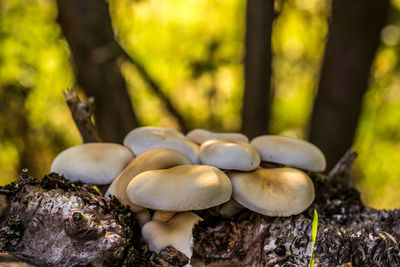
257	94
82	115
353	39
55	223
87	28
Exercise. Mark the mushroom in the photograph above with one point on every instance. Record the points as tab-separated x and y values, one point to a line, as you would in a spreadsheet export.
229	155
93	163
273	192
229	209
177	233
160	158
290	151
142	217
143	139
180	188
162	215
199	136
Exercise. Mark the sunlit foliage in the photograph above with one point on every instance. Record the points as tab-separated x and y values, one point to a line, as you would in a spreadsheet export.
34	69
194	51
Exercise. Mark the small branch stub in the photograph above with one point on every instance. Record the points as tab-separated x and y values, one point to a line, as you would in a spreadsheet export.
342	168
82	114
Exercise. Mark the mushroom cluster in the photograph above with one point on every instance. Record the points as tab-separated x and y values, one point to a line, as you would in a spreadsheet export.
165	177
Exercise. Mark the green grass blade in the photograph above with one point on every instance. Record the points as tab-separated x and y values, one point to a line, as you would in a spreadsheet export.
314	236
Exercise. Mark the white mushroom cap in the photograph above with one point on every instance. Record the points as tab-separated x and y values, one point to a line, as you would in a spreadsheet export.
143	139
177	233
181	188
199	136
273	192
229	155
290	151
93	163
155	159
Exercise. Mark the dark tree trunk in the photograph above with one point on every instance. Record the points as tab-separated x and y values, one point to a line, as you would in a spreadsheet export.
12	104
353	41
88	30
256	102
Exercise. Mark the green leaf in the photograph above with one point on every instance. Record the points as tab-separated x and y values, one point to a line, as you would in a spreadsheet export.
314	236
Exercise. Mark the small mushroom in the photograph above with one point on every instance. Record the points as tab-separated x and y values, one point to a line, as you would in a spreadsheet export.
177	233
143	139
199	136
230	208
155	159
162	215
93	163
273	192
229	155
290	151
142	217
180	188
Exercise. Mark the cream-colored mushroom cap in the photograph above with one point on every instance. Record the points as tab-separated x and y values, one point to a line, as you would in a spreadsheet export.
155	159
199	136
93	163
273	192
177	233
290	151
229	155
143	139
180	188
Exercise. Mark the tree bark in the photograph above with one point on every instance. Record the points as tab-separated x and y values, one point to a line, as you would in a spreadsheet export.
353	39
82	114
257	94
88	30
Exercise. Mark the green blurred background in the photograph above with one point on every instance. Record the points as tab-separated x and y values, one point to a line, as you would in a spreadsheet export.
171	38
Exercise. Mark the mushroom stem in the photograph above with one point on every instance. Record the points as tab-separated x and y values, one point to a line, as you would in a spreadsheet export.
176	233
162	215
143	217
230	208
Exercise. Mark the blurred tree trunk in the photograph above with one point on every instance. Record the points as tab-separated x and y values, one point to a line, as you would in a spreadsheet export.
19	130
256	102
88	30
353	40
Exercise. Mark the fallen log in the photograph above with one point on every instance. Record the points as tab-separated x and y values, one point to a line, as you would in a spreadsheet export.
56	223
